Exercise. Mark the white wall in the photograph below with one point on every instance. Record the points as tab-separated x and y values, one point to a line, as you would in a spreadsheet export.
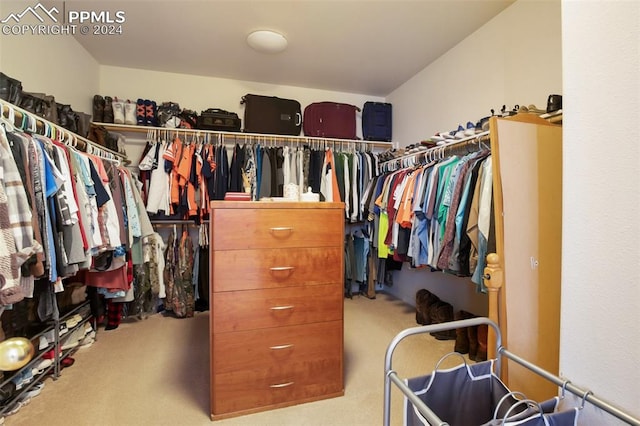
56	64
199	92
600	334
514	59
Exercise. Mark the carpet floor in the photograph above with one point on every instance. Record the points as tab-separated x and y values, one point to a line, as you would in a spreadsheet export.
156	372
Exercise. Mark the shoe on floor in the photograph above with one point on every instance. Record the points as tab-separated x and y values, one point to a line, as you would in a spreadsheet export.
41	366
73	339
31	393
67	362
73	321
86	342
13	408
43	343
88	328
22	379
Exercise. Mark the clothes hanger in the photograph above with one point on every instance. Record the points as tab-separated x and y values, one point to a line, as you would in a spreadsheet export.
46	131
584	398
33	124
9	122
564	388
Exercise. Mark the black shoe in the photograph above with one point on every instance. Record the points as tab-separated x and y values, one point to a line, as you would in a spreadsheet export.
98	108
554	103
108	110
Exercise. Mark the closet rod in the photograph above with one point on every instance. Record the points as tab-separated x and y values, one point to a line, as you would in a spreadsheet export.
476	139
567	385
242	135
161	222
77	141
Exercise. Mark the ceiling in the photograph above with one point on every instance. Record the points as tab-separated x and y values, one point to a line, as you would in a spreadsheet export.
369	47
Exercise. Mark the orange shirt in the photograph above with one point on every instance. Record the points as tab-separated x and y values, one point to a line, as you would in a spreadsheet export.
405	209
173	153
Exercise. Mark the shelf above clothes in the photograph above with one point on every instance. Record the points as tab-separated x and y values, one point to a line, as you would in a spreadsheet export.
553	117
28	121
266	138
455	145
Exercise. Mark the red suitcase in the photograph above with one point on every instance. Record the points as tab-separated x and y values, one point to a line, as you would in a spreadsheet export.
330	120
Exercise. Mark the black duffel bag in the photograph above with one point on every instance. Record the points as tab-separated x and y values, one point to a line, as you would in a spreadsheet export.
218	119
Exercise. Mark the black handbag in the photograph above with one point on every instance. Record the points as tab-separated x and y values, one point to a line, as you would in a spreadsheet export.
219	119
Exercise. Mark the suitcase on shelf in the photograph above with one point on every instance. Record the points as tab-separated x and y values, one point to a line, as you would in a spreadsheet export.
218	119
376	121
271	115
330	120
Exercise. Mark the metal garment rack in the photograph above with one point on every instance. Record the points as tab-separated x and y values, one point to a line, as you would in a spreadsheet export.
28	121
159	223
390	376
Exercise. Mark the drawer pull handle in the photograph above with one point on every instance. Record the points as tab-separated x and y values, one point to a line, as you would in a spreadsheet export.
281	347
282	268
281	228
281	385
281	308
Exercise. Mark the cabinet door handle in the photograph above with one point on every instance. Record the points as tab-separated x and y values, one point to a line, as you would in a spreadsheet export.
281	228
282	268
281	385
281	347
281	308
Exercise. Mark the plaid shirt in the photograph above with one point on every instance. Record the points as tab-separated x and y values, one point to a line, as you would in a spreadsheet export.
8	265
19	212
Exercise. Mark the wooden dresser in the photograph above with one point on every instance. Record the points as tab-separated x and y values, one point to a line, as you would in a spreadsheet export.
276	305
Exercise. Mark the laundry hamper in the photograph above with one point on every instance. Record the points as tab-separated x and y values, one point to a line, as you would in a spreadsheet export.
464	395
468	394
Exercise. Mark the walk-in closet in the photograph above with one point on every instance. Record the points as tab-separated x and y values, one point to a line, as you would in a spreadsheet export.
320	213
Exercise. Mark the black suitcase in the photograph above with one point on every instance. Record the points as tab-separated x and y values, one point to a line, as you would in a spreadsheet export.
272	115
219	119
376	121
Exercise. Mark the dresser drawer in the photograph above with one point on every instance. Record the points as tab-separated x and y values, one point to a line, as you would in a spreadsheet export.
241	229
269	349
234	392
254	269
256	309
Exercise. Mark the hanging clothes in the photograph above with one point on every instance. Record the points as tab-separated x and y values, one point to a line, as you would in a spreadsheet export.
436	214
221	173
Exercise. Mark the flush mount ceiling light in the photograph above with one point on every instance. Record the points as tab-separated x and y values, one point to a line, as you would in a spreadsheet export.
267	41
